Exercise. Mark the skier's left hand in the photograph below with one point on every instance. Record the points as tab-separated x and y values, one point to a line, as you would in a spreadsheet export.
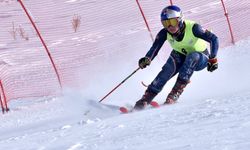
212	64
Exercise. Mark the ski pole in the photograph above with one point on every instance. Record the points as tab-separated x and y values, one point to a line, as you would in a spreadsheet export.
119	84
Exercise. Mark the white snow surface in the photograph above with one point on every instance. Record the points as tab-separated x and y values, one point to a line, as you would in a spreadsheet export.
212	114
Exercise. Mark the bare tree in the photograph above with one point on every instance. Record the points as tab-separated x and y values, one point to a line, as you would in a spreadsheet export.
76	21
13	32
22	33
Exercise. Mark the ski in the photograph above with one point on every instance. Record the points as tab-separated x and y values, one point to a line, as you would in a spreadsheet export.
126	110
154	104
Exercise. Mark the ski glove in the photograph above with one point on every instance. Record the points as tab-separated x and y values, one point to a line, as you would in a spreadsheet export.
212	64
144	62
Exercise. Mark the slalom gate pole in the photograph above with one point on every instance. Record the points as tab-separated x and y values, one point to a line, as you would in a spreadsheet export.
119	84
228	22
45	46
3	98
1	104
171	2
145	20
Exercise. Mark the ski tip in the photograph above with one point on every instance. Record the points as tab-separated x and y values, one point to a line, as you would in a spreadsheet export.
123	110
154	104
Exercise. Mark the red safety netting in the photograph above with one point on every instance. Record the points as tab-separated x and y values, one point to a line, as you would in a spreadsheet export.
210	15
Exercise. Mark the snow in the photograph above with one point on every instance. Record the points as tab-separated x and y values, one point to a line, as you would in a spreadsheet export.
215	119
213	113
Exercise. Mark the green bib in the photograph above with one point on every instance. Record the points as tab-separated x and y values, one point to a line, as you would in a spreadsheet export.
189	43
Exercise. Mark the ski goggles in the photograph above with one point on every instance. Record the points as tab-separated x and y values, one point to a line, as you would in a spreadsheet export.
173	22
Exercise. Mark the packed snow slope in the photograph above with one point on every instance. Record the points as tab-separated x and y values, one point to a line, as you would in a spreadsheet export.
111	37
213	113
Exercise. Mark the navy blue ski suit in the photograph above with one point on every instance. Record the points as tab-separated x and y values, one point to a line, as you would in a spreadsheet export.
185	65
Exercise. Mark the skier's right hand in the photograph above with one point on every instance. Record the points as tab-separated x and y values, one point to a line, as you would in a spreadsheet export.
212	64
144	62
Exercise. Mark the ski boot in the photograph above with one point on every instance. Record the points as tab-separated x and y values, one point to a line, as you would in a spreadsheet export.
176	91
145	100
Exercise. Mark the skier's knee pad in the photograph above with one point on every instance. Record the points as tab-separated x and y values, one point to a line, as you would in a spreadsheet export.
193	57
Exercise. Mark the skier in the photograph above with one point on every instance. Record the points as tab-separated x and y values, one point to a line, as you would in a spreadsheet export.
189	54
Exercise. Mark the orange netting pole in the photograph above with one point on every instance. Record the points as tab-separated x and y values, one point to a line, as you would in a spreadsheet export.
3	99
171	2
145	20
228	21
1	104
45	46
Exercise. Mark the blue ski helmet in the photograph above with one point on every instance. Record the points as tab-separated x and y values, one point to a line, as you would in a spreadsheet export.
172	12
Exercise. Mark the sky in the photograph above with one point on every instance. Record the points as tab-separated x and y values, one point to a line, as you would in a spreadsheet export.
213	113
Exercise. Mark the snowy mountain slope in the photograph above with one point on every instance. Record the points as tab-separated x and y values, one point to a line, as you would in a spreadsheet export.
213	112
201	120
